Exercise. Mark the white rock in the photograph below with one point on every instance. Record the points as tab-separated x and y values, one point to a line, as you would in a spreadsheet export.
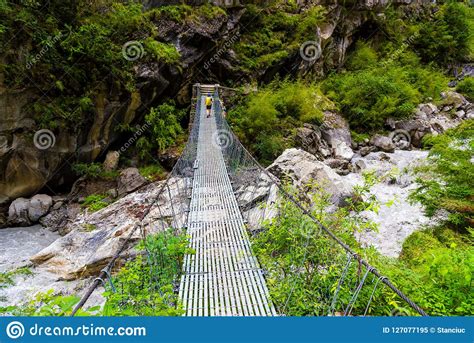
18	212
39	206
342	150
129	180
111	161
302	169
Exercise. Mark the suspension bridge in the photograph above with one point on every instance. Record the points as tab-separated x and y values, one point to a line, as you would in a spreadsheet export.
216	192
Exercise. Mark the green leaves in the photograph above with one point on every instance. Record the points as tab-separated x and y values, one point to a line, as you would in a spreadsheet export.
447	182
145	285
165	128
303	263
266	120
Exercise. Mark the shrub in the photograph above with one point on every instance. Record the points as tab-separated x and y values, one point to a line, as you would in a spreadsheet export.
466	87
390	88
447	182
444	268
146	284
362	58
162	51
266	119
49	304
164	125
445	38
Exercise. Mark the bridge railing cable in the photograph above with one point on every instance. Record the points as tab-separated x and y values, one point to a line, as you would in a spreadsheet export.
168	208
260	193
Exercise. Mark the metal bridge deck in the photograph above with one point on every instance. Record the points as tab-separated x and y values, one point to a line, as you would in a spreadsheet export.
223	277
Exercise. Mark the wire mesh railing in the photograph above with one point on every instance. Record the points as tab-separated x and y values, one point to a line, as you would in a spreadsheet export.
309	270
314	258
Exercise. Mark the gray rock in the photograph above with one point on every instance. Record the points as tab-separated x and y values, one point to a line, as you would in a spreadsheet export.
309	139
111	161
364	151
39	206
112	193
18	212
129	180
428	108
454	99
81	253
335	129
341	150
460	114
303	169
335	163
383	143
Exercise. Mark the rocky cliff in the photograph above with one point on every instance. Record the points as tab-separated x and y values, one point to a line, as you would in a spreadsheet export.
32	159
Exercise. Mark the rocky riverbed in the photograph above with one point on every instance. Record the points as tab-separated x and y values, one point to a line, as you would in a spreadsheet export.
72	245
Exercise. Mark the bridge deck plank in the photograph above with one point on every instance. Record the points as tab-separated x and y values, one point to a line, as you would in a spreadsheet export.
222	277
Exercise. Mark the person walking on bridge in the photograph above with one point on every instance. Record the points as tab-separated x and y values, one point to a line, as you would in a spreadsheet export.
208	104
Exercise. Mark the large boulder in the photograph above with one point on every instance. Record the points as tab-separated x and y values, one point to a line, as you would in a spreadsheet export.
18	212
130	180
93	238
309	139
304	169
39	206
383	143
336	133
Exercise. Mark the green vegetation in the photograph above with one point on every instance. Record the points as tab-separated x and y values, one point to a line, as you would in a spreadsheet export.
376	89
145	286
94	171
7	278
74	62
164	129
49	304
153	172
274	33
445	38
304	265
266	119
447	181
95	202
441	264
466	87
